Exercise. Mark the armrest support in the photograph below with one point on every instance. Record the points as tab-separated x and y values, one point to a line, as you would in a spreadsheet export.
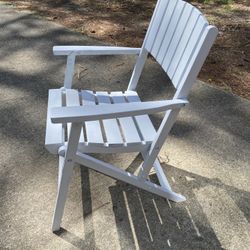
97	112
94	50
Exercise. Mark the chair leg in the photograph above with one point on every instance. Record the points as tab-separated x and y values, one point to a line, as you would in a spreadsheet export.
159	172
161	175
65	173
66	165
120	174
162	179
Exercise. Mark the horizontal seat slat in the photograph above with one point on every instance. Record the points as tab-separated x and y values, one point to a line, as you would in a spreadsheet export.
112	131
125	134
144	123
129	129
54	137
72	99
93	128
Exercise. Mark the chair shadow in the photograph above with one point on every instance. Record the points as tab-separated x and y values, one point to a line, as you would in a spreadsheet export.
89	240
70	238
147	221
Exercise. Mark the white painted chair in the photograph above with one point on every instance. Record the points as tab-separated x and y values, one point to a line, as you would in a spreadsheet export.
81	122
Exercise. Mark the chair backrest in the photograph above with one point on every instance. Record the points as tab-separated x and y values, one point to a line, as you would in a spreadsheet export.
179	38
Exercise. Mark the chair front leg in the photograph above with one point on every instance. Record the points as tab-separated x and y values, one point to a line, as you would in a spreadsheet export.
63	184
65	172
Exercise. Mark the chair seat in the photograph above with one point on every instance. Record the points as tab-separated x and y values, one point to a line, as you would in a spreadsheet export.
125	134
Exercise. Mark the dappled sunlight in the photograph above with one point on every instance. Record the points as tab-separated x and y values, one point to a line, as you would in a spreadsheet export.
150	221
205	156
11	92
125	23
15	62
100	28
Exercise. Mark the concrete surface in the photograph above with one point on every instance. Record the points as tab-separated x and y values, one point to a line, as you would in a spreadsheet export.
206	156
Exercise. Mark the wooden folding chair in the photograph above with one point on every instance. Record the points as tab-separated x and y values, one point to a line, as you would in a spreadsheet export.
81	122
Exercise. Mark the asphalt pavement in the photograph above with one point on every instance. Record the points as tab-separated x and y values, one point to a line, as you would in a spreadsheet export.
206	156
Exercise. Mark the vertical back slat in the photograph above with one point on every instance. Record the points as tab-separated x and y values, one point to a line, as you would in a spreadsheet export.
163	27
172	49
175	32
149	40
183	42
155	23
189	50
196	61
176	15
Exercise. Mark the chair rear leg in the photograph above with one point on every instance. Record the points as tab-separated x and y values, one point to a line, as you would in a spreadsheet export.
65	173
159	172
161	175
162	132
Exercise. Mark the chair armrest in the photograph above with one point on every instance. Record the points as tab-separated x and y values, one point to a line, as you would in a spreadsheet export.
97	112
94	50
